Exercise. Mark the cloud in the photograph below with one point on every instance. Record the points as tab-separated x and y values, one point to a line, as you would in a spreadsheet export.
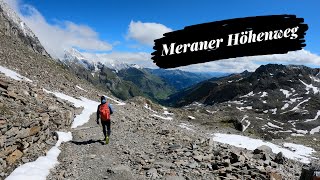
301	57
146	33
60	36
142	59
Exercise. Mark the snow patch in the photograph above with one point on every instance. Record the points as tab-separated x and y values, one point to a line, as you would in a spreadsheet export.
40	168
310	86
315	118
315	130
285	106
264	94
301	153
149	108
161	117
242	108
248	95
80	88
12	74
186	126
167	113
273	125
89	107
286	93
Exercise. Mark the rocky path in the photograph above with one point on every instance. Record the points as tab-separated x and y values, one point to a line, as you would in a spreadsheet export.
147	147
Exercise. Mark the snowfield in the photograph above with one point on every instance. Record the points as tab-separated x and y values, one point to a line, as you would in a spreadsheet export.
296	151
40	168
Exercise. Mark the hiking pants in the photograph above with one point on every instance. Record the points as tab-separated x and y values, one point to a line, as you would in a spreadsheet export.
104	124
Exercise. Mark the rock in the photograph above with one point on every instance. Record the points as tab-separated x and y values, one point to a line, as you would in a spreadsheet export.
188	154
12	158
262	149
152	173
12	132
198	158
193	165
274	176
279	158
23	133
237	158
164	131
2	141
34	130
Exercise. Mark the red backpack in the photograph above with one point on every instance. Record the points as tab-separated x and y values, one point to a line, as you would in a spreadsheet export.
104	112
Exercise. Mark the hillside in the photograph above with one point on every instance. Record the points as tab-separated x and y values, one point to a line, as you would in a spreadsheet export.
123	80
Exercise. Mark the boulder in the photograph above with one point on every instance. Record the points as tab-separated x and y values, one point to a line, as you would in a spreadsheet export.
263	149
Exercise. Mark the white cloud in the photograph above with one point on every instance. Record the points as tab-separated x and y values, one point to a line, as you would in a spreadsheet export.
301	57
60	36
146	33
142	59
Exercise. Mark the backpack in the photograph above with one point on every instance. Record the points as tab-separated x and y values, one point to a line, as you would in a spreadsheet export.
104	112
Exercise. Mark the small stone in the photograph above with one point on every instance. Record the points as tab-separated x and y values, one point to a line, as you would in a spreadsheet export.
12	158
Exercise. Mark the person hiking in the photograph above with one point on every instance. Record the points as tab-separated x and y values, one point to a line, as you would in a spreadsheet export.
104	111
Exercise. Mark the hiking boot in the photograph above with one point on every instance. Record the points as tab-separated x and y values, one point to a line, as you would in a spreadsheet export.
107	139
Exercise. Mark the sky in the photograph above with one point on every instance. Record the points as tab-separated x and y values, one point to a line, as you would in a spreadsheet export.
124	30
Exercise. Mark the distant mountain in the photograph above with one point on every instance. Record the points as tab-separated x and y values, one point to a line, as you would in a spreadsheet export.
275	101
214	87
182	79
123	80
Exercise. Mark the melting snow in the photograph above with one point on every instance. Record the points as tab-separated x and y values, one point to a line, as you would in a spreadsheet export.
89	107
274	111
161	117
211	112
242	108
186	126
245	127
40	168
315	130
13	74
149	108
247	95
315	118
301	153
286	93
315	79
310	86
264	94
80	88
273	125
167	113
285	106
300	131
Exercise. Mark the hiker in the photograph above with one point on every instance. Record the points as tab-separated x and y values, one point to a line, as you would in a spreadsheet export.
104	111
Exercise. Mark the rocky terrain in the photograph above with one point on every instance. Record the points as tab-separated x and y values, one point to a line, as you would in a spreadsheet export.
148	147
148	141
274	102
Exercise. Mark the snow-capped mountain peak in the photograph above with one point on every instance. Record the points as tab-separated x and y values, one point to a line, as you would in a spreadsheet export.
93	60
